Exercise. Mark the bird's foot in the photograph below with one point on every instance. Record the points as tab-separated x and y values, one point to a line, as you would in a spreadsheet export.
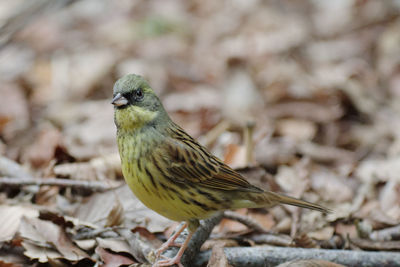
165	246
169	262
171	241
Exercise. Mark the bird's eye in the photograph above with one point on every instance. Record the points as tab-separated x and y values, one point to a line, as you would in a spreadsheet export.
138	94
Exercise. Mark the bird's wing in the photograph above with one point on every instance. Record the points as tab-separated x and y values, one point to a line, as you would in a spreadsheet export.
186	161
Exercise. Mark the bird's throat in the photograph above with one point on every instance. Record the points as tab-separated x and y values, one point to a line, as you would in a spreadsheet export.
132	118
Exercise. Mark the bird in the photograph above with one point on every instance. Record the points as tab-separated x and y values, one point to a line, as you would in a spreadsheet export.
174	175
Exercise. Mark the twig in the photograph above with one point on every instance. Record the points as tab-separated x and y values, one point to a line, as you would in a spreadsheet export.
246	220
391	233
215	132
375	245
93	233
272	239
249	142
322	153
88	185
201	235
271	256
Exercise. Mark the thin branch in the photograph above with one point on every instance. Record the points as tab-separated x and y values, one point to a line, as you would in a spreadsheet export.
390	233
272	239
88	185
375	245
93	233
249	142
246	220
271	256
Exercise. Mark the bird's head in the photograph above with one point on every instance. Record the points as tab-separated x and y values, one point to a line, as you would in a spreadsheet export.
135	103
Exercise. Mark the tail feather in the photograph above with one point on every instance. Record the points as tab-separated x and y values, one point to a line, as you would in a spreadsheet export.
270	199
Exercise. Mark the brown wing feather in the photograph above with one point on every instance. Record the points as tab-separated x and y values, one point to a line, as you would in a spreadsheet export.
190	162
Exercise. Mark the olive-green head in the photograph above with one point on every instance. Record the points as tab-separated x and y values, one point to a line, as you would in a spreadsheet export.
135	103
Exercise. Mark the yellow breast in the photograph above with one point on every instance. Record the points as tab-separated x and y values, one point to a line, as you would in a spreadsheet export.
177	202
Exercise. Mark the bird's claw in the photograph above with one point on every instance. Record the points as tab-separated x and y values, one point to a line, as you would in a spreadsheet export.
168	262
165	246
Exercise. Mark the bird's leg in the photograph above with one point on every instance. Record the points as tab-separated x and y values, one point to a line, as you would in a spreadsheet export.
171	241
177	259
192	226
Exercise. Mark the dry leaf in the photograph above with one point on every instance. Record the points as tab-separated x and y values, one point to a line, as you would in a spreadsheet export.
42	151
38	233
10	168
14	112
218	257
227	225
389	199
42	254
325	233
89	127
99	168
310	263
111	259
9	264
331	187
346	230
10	218
114	244
237	106
97	207
193	100
298	130
116	215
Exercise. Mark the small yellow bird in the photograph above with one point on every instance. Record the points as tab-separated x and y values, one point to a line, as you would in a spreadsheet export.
173	174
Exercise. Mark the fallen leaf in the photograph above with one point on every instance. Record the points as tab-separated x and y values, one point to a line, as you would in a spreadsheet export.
276	151
193	100
264	219
47	195
99	168
42	254
10	168
306	110
218	257
325	233
63	221
304	241
87	244
10	219
232	226
346	230
116	215
235	156
14	112
331	187
310	263
135	212
42	151
45	234
111	259
296	129
389	199
89	129
12	261
239	107
140	249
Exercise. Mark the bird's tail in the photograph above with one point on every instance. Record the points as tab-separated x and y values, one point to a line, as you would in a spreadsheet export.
269	199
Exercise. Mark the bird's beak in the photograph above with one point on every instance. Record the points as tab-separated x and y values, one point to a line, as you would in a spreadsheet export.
119	100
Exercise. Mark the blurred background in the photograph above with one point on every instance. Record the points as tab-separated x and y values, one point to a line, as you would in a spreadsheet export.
303	95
